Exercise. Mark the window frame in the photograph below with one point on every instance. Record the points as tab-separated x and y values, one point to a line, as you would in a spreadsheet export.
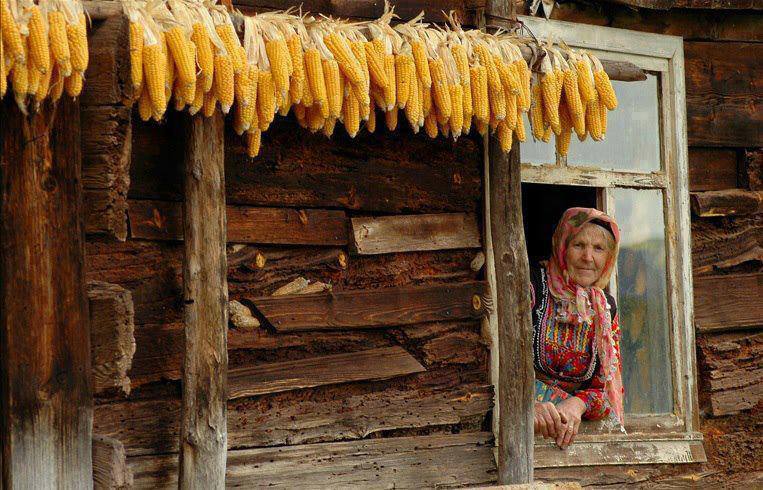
666	438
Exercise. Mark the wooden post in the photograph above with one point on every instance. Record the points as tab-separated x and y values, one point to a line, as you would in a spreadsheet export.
204	435
46	407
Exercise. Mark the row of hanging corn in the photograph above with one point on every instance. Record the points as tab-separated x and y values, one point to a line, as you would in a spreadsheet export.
43	49
443	79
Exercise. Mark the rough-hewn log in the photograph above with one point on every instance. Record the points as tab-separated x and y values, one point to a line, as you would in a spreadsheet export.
372	364
399	462
725	242
730	202
724	93
106	149
203	434
410	233
713	169
688	4
754	164
108	73
45	389
738	305
162	220
112	343
374	308
733	371
618	452
110	470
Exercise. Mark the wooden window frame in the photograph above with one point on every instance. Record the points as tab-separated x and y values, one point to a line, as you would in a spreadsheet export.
666	438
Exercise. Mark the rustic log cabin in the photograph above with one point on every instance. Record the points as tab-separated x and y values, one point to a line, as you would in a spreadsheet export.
372	288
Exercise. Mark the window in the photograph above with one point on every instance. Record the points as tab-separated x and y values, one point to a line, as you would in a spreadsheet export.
639	175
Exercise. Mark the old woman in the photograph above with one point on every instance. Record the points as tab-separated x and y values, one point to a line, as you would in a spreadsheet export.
575	328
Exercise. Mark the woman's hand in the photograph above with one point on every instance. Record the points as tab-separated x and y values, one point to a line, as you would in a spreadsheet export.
548	422
570	411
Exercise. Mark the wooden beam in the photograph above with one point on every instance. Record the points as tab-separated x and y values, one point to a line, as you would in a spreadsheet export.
688	4
108	72
720	244
431	461
112	343
371	308
45	389
203	434
512	271
739	305
162	220
713	169
729	202
754	169
110	469
412	233
372	364
595	453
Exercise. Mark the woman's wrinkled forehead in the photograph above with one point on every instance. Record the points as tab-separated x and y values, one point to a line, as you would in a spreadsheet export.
594	232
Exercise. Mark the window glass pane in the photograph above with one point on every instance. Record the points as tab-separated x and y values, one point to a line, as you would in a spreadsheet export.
632	141
642	302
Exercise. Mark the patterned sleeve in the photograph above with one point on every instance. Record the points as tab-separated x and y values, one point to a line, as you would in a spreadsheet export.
594	397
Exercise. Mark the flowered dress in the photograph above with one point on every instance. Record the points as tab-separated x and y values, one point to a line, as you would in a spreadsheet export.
564	354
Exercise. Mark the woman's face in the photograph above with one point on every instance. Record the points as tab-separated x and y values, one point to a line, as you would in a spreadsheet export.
587	253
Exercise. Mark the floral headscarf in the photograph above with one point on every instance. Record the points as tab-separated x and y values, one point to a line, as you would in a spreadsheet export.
588	305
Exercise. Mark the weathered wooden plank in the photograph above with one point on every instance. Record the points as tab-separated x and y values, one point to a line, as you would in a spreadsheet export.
46	394
410	233
203	428
400	462
712	169
724	93
733	371
374	308
738	305
372	364
162	220
112	343
585	453
105	213
108	73
754	167
688	4
331	414
729	202
110	470
726	242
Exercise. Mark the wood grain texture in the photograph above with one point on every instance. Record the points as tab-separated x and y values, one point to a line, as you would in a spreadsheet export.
108	72
548	455
112	340
400	462
692	4
728	302
718	244
410	233
162	220
733	366
713	169
729	202
203	434
754	169
379	308
373	364
45	387
110	470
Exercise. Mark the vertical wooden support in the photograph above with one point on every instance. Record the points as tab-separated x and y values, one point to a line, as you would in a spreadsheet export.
204	435
45	394
516	376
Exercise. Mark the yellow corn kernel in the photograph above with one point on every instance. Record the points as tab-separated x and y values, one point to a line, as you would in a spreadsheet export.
56	83
430	125
536	113
478	75
76	34
44	87
390	118
603	118
250	98
183	57
360	54
59	44
403	77
136	54
20	79
520	130
154	71
342	52
371	122
511	111
376	69
231	42
315	120
593	120
509	81
390	91
462	62
198	98
241	87
351	115
505	136
210	103
413	105
33	79
546	135
550	107
280	60
605	90
426	100
297	81
266	101
445	129
3	76
572	92
440	89
39	48
145	106
457	109
253	142
482	127
11	35
204	56
329	125
563	139
422	63
240	124
496	96
224	82
169	64
585	81
180	100
73	84
316	80
334	93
